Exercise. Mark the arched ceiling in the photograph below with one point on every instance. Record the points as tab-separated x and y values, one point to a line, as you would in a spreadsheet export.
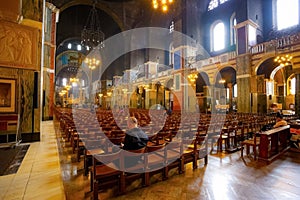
228	74
202	80
61	3
73	19
267	67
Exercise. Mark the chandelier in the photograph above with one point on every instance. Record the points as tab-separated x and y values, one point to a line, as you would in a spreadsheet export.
283	60
91	35
74	80
162	4
92	62
192	77
222	81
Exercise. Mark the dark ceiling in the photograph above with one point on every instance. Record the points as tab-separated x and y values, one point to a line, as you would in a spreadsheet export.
72	19
61	3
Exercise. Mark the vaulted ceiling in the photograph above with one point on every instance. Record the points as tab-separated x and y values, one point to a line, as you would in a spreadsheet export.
73	17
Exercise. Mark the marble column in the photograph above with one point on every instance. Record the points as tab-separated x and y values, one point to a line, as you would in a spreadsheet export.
229	85
243	79
297	95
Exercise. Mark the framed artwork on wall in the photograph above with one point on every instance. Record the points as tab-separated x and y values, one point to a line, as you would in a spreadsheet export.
7	95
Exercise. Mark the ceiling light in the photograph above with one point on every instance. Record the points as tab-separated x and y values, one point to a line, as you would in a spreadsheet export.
91	35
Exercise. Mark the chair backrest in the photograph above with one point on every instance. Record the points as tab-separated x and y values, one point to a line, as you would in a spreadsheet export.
133	161
117	133
117	141
108	159
96	144
141	150
154	147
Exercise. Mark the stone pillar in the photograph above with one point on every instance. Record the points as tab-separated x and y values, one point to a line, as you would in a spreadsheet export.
49	63
229	85
244	95
244	83
297	95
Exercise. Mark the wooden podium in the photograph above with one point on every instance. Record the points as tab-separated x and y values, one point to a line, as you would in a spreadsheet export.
274	143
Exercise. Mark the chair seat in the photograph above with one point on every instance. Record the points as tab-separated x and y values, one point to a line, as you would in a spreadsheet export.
94	151
173	154
251	141
187	152
155	158
104	170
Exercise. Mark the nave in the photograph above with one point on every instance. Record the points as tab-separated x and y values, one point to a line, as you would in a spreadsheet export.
226	176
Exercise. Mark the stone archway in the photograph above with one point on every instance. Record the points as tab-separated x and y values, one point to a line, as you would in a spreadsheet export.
203	92
223	94
270	86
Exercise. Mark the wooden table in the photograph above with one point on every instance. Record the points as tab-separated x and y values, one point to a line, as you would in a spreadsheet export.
274	143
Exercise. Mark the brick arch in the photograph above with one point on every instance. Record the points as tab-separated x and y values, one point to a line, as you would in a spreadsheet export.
202	81
258	63
169	83
217	73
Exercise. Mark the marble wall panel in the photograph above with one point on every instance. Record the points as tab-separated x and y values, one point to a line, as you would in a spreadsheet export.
24	97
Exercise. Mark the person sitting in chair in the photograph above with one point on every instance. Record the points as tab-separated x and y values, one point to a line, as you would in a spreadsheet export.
135	137
279	121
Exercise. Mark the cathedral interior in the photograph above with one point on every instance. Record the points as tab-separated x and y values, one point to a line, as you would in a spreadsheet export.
219	69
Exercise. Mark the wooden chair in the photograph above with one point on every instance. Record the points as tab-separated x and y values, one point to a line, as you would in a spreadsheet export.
240	135
224	136
106	172
173	157
155	161
93	147
133	165
200	149
254	142
187	152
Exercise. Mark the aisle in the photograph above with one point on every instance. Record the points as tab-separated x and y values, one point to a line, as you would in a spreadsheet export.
39	176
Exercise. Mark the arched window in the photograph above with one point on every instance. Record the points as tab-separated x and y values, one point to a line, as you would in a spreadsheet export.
171	54
78	47
292	85
64	81
232	29
214	4
218	36
287	14
235	93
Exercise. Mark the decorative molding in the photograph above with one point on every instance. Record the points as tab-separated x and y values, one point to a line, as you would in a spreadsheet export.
32	23
19	46
245	23
243	76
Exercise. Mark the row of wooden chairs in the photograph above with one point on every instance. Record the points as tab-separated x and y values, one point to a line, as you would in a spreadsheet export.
112	168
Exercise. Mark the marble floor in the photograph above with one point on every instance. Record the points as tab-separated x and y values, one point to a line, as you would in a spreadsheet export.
226	176
50	171
39	176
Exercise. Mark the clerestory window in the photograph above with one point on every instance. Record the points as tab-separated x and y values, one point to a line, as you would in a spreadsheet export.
214	4
287	13
218	36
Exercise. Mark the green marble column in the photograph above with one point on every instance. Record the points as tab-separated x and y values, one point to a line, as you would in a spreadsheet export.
297	95
244	83
244	95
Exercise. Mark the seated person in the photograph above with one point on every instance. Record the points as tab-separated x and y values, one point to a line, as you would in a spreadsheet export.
135	137
279	121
